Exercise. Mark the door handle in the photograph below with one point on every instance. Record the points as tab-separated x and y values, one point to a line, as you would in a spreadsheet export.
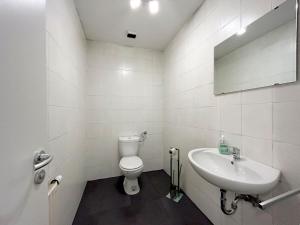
41	159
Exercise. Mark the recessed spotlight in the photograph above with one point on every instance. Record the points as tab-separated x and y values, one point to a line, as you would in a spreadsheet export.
241	31
153	6
135	4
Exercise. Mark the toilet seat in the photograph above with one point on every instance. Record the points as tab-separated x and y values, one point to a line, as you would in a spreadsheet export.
131	163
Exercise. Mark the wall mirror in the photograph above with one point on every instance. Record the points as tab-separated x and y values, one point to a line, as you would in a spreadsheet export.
260	55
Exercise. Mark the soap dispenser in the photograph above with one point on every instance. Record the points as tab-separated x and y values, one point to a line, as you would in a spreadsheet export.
223	148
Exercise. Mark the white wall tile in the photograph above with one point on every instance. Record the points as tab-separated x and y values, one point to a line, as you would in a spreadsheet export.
57	121
205	204
100	115
211	138
208	118
124	97
98	102
230	99
261	216
205	96
286	93
65	83
56	90
257	120
287	211
231	116
98	130
286	160
232	140
262	95
257	149
287	122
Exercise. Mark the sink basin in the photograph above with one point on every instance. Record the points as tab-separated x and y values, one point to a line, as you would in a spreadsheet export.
244	176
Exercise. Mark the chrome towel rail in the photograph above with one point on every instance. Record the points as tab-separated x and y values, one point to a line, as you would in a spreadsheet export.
269	202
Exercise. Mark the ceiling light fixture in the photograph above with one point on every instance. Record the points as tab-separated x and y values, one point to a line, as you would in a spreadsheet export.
153	6
135	4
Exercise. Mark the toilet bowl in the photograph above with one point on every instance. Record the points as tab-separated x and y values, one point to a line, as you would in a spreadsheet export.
130	164
131	167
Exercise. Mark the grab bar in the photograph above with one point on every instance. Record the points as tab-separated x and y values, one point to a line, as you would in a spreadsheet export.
269	202
41	159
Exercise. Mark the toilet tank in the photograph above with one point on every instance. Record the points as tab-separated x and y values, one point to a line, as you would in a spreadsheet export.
129	145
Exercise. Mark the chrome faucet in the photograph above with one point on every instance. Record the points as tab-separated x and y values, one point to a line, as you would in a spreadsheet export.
236	153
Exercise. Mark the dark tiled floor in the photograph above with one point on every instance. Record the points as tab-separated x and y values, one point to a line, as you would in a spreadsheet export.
104	203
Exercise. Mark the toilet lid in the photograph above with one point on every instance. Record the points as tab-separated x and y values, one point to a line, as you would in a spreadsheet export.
130	163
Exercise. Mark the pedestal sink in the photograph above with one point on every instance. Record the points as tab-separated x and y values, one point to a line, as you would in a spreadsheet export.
242	176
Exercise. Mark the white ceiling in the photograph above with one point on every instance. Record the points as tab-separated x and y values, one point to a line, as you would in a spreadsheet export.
109	20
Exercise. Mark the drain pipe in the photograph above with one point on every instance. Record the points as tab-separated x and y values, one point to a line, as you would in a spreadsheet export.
255	201
223	203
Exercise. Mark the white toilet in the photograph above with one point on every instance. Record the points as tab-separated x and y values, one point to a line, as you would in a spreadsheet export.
130	164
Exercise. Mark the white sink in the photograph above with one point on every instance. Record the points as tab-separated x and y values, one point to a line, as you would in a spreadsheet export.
244	176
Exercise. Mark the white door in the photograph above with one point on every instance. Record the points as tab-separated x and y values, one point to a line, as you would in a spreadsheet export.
22	111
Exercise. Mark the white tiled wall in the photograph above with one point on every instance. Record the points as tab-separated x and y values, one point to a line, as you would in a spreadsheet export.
264	123
66	56
124	97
